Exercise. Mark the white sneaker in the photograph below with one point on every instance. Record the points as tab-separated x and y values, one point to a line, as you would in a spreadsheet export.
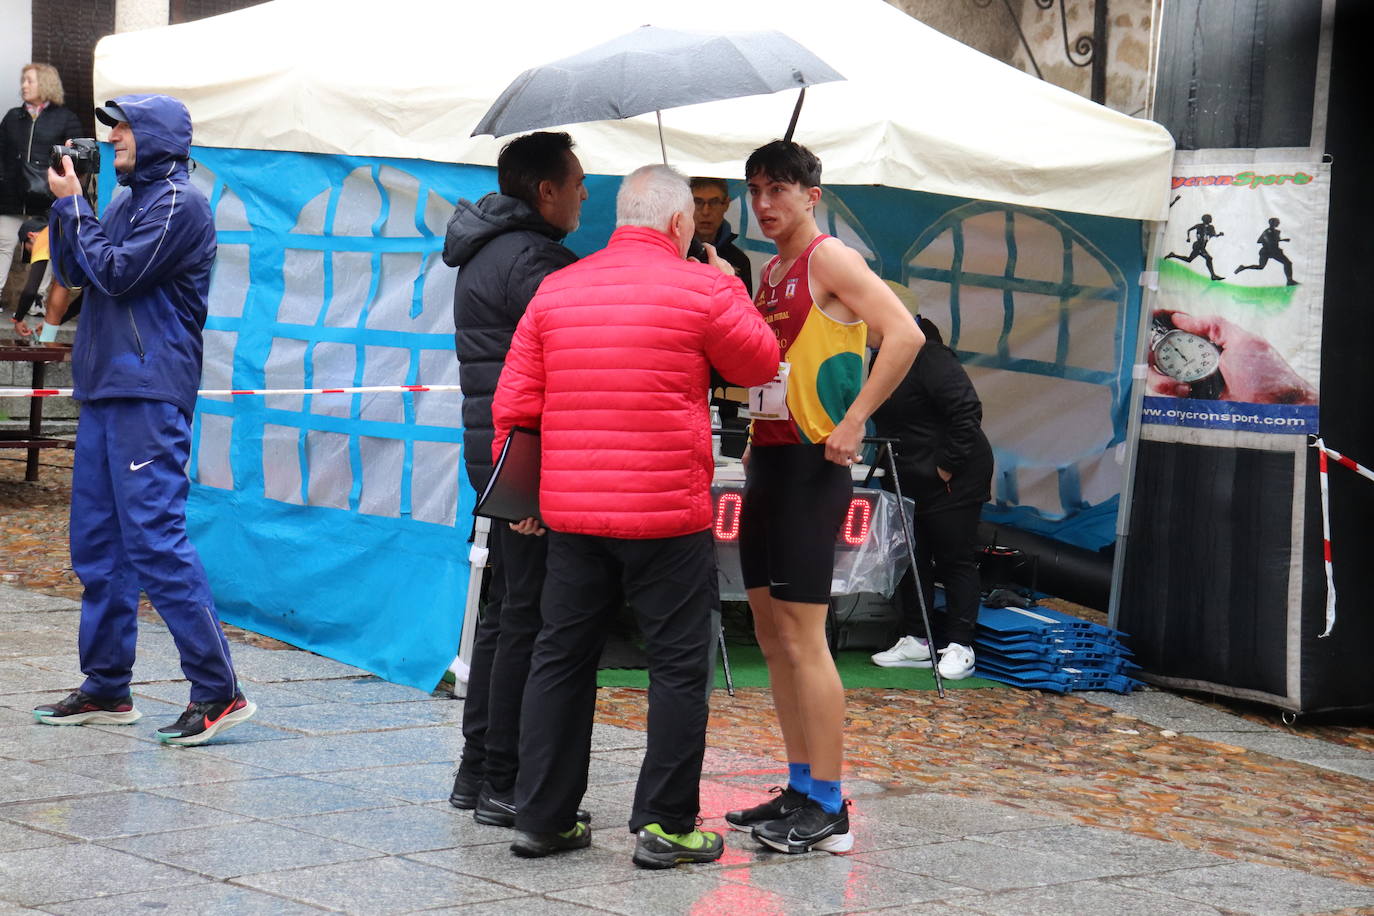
956	662
909	652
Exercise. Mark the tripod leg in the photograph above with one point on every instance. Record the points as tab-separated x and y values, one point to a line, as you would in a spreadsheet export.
910	538
725	664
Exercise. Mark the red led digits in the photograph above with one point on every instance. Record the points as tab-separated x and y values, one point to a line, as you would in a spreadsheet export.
727	516
856	521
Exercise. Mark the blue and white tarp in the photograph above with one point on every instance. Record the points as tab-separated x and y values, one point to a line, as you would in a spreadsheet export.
340	523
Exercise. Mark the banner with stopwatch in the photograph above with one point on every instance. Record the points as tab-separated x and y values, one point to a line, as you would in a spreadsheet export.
1235	336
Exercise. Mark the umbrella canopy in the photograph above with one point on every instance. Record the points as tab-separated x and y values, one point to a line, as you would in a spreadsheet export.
651	69
916	109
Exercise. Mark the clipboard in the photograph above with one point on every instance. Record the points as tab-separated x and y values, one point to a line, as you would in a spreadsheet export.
512	494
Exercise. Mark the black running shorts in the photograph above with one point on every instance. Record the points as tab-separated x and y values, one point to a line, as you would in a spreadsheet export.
794	504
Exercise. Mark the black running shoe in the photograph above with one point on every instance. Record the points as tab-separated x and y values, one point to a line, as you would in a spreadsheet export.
202	721
538	845
656	848
465	788
808	827
497	809
783	803
80	708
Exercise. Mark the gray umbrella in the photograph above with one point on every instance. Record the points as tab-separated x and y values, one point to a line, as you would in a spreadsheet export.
651	69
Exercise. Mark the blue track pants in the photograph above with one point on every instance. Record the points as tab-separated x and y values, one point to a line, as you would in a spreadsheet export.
128	531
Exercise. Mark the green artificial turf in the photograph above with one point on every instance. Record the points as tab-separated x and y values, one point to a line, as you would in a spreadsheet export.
856	670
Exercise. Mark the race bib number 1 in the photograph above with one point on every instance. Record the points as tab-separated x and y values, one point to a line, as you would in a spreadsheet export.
769	401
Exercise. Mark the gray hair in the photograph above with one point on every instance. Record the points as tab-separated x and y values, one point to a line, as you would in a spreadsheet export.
650	195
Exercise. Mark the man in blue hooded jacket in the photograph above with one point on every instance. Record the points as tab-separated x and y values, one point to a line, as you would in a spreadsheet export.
145	269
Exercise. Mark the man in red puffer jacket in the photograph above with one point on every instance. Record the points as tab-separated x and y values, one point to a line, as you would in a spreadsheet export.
611	362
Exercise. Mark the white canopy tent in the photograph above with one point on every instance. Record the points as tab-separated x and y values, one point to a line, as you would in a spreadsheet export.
409	79
333	139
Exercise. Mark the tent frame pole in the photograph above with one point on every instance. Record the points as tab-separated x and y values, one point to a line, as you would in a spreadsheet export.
1149	280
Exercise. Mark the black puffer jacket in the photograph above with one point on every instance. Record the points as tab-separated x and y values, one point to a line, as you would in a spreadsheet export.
937	419
25	144
504	249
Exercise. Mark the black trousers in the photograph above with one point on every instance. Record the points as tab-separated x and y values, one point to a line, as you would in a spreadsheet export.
945	541
501	656
671	585
523	560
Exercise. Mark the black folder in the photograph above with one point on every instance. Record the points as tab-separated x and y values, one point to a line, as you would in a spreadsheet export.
512	494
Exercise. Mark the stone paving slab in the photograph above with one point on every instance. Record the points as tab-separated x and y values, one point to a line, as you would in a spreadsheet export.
190	899
401	829
687	892
15	836
1256	889
412	782
524	906
332	753
380	886
598	864
276	797
956	816
841	883
231	850
343	717
370	689
36	741
1122	852
64	668
123	814
1289	747
1086	897
1169	710
22	781
980	865
86	871
157	767
21	601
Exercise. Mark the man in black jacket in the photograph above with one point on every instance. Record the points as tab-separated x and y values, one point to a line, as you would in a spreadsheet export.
504	246
945	464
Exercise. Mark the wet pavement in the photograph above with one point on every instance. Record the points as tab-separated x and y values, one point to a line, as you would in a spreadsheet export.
333	797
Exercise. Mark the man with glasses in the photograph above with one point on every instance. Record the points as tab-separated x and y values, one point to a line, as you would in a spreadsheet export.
710	200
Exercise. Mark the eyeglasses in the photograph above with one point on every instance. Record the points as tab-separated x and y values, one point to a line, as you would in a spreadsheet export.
713	203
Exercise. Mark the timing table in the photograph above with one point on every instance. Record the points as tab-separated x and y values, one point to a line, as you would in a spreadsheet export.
16	350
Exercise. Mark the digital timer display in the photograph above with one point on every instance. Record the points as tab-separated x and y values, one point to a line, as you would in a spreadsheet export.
729	501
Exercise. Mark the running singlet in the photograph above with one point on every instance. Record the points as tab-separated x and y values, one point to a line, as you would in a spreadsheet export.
826	356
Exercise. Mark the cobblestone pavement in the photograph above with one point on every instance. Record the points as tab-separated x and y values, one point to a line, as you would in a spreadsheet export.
989	801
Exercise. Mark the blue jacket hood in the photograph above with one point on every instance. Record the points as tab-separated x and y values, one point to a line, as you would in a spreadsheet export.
162	136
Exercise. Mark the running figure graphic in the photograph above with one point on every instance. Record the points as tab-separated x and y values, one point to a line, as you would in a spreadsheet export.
1269	248
1200	234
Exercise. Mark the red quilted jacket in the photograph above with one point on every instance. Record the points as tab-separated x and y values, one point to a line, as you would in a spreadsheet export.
611	362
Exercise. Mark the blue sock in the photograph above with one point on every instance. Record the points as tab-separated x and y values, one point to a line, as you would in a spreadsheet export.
827	794
799	777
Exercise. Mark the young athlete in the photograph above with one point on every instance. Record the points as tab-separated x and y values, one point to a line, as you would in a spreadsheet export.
822	301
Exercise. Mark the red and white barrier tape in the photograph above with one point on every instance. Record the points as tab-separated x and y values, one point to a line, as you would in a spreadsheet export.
1322	453
224	392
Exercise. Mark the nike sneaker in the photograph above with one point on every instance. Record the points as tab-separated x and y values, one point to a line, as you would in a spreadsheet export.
80	708
808	827
783	803
202	721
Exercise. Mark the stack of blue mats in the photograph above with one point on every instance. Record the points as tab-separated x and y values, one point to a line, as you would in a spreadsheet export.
1043	648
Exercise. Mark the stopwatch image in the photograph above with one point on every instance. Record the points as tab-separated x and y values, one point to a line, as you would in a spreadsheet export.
1186	357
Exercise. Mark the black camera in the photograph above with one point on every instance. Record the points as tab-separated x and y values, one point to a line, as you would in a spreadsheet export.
84	153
